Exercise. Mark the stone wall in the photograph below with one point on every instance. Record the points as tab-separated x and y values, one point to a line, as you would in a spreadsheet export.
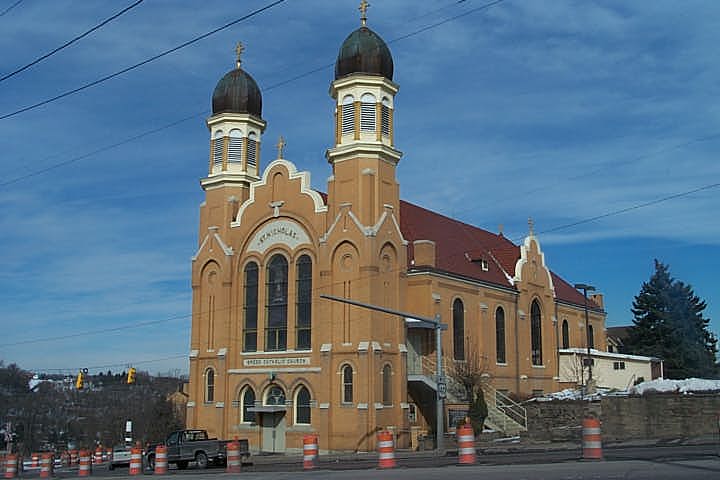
655	416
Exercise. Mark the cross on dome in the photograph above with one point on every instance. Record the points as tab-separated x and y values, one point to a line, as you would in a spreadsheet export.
363	12
239	49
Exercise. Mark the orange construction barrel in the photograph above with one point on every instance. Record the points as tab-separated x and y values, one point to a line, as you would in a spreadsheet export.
11	464
161	460
466	444
386	449
85	459
310	451
591	442
47	461
135	461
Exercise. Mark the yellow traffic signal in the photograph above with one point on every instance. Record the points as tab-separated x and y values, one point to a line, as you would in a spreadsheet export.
80	382
131	375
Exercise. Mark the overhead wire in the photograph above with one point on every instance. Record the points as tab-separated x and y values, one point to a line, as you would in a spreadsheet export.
139	64
2	14
70	42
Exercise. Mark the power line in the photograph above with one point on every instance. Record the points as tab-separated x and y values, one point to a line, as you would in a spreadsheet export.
204	112
67	44
10	8
144	62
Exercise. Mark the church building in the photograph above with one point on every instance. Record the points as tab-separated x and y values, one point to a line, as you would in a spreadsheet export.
271	360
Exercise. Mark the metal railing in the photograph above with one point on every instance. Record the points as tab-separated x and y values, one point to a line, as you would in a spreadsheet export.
503	409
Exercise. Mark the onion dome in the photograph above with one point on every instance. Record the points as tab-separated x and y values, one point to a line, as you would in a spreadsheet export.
363	51
237	92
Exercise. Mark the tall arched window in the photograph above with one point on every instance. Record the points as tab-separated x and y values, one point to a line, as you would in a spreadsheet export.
458	330
277	298
348	115
247	401
302	406
347	380
303	305
536	333
387	385
235	146
565	334
250	308
591	337
385	116
217	148
209	385
500	335
252	149
367	112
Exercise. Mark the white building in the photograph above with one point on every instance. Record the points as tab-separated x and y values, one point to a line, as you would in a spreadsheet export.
609	369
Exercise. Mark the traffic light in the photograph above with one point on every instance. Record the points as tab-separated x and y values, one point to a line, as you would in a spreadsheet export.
80	382
131	375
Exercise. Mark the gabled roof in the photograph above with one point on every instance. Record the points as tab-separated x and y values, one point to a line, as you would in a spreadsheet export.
460	249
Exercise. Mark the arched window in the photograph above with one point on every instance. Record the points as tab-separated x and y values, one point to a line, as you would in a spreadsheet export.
302	406
348	114
591	337
274	395
387	385
347	381
565	334
303	306
385	117
235	146
247	400
367	112
217	148
252	149
209	385
277	304
536	333
458	313
250	308
500	335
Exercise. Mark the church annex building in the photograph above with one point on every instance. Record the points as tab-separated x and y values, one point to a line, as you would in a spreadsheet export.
271	361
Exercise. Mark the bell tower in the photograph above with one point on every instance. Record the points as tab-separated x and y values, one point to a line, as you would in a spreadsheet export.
364	157
236	127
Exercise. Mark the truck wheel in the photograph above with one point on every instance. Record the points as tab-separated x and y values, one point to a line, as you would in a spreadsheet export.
201	460
182	465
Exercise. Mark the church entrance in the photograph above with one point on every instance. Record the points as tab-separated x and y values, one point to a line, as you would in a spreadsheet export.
273	432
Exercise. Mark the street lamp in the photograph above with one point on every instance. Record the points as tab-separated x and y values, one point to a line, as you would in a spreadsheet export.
587	288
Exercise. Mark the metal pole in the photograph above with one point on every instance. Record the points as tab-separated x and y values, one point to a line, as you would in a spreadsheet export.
587	288
439	377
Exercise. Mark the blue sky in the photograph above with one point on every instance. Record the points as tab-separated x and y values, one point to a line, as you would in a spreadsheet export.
559	110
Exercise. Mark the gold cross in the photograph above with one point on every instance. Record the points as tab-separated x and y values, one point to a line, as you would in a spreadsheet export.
239	49
531	225
281	146
363	11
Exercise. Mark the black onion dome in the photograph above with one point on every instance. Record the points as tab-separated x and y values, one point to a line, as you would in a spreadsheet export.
363	51
237	92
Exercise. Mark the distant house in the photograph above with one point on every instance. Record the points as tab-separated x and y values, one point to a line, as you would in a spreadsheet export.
616	338
609	369
179	400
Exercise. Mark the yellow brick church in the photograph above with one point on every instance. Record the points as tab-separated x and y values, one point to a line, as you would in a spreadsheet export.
272	361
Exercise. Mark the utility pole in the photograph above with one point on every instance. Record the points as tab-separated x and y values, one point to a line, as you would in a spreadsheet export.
587	288
441	384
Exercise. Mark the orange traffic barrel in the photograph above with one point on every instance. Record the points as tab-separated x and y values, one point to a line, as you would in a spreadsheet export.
11	464
310	451
161	460
46	465
466	444
35	460
591	442
73	458
98	458
135	461
85	459
386	449
234	463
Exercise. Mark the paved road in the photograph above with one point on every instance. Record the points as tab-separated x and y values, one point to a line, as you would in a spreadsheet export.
652	463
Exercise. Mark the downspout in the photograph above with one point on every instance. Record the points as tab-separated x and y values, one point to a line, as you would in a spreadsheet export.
517	346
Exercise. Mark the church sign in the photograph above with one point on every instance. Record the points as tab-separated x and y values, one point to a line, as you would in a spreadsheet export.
276	362
283	232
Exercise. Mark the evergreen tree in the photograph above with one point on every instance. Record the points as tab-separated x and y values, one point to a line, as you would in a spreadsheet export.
669	324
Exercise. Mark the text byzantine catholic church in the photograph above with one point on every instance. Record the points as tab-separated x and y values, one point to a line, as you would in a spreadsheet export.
272	361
